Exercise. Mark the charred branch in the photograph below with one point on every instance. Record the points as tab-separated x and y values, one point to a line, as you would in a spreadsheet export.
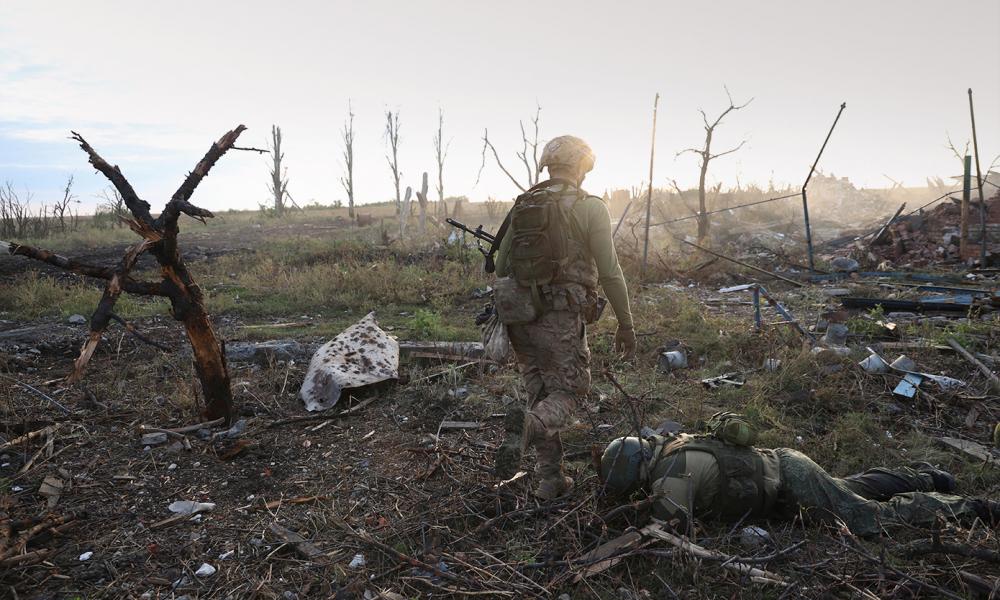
142	288
138	207
159	237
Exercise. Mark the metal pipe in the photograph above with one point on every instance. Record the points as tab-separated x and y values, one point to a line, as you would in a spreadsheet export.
805	201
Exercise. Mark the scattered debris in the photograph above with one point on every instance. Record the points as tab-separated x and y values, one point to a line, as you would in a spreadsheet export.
459	425
153	439
77	320
363	354
301	545
265	352
86	556
453	351
190	507
673	360
51	489
205	570
754	537
357	562
727	379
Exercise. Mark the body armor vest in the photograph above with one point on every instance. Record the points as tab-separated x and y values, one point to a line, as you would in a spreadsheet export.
741	474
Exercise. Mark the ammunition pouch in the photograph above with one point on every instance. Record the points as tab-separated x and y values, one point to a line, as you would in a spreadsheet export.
514	303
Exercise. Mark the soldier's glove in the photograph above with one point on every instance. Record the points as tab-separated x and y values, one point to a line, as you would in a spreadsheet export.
625	342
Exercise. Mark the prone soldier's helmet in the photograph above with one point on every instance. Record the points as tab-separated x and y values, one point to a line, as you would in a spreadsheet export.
625	464
570	152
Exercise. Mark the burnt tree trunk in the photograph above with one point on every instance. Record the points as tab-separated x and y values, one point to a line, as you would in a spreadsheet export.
159	237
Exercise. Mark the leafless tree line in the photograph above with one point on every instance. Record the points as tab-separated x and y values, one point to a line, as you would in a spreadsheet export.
19	217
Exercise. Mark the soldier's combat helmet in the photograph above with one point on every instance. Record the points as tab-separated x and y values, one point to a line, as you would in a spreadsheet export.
625	464
568	151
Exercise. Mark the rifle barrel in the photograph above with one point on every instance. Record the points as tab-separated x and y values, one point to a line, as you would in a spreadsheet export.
477	232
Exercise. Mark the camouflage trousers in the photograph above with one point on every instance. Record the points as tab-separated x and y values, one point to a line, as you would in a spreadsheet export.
554	361
807	487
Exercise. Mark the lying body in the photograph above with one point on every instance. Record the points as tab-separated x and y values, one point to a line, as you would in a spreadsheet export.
705	477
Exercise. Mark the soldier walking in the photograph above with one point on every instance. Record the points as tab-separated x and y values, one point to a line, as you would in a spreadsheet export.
553	250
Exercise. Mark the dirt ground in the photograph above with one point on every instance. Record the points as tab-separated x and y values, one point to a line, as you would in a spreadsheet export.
391	505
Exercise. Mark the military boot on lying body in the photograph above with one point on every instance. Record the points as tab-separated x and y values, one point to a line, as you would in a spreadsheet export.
943	480
989	512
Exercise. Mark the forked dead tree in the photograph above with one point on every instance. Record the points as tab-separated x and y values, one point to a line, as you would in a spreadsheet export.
347	134
440	153
159	238
392	138
279	180
706	157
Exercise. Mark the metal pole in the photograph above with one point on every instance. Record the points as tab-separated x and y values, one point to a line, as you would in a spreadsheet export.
621	219
979	182
649	195
966	196
805	201
756	307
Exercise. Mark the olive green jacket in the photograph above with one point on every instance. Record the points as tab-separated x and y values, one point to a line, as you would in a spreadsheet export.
593	221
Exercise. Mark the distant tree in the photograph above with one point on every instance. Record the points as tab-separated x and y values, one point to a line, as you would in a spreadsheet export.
60	210
347	134
279	179
440	153
392	139
706	157
530	162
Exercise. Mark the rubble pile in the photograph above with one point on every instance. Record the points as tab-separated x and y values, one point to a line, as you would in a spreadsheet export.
933	236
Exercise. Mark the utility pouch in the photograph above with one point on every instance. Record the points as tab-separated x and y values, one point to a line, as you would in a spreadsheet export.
514	303
731	428
593	310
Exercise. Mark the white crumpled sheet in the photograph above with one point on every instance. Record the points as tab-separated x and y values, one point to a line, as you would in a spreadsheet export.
361	355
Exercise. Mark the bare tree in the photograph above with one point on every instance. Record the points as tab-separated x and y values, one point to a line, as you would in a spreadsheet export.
440	153
392	138
61	207
279	179
706	157
347	134
530	162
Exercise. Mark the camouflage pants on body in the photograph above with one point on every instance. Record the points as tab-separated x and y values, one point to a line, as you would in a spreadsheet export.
806	486
554	361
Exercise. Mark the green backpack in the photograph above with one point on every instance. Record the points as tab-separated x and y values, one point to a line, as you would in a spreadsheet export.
539	230
729	427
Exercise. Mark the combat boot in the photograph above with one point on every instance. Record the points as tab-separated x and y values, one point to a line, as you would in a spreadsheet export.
943	480
521	427
552	482
552	488
989	512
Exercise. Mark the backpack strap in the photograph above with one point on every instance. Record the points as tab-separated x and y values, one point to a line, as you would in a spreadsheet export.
490	266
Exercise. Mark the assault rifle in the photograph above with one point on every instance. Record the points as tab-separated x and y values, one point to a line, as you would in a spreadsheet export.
479	234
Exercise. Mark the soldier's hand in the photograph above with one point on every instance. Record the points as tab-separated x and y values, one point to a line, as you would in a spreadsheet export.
625	342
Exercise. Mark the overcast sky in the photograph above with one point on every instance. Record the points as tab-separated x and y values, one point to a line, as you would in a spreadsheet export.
150	85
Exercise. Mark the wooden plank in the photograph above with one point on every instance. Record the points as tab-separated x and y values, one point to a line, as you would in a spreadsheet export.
970	448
